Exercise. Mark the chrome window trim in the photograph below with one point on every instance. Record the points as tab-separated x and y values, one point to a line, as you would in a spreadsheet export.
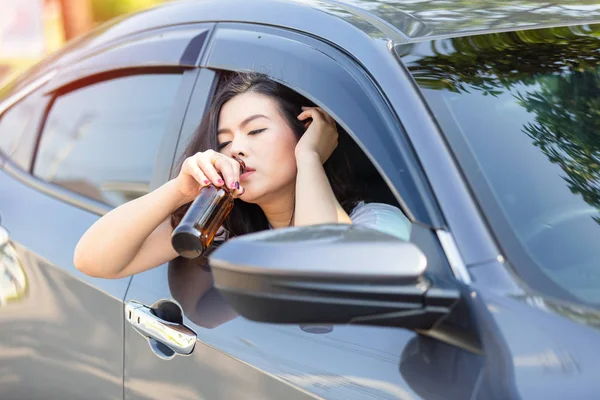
455	260
25	91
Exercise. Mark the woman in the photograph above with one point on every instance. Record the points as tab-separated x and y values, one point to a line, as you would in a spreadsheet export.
293	177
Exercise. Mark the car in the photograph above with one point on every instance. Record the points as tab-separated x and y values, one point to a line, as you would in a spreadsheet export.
479	121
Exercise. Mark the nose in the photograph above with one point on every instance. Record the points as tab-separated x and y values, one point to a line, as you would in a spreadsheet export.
238	147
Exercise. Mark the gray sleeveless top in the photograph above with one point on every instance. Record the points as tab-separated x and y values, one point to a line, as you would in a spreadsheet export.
378	216
382	217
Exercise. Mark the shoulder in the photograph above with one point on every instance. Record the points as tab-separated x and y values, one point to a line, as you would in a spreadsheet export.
383	217
363	208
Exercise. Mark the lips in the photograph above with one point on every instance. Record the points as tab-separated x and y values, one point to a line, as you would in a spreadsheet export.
247	172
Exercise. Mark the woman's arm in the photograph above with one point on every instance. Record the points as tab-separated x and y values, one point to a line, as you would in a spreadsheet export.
315	200
136	236
133	237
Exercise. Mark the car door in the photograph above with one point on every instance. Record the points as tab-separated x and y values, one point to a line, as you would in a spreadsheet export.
106	124
236	358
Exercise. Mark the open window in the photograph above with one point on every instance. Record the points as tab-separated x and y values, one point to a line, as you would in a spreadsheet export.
333	81
385	171
366	181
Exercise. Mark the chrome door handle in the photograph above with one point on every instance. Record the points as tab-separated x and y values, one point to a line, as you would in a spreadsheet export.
176	337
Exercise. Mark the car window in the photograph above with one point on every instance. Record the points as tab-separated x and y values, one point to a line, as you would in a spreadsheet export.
102	140
378	208
341	85
522	112
16	121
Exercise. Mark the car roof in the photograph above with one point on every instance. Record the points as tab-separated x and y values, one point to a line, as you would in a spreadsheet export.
449	18
339	22
414	20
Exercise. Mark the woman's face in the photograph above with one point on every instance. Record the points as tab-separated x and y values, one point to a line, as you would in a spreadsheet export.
252	128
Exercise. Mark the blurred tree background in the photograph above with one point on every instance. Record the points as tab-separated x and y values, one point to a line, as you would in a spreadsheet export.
79	16
31	29
104	10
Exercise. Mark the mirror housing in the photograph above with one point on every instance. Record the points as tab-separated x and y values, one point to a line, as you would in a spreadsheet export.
332	274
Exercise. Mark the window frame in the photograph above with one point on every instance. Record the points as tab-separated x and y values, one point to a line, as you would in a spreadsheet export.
134	54
27	139
237	47
422	233
166	147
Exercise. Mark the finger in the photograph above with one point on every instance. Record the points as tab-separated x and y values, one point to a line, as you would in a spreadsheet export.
205	163
308	108
237	172
197	173
239	192
226	168
310	113
303	115
323	114
326	116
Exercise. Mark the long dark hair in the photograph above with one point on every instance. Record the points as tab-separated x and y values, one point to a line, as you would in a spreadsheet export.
247	217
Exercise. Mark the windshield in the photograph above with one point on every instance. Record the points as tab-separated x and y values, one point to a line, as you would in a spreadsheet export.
521	112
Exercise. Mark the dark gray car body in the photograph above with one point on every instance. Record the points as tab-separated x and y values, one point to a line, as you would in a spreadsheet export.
66	336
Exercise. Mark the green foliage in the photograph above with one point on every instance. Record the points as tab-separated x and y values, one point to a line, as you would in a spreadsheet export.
567	128
105	10
560	66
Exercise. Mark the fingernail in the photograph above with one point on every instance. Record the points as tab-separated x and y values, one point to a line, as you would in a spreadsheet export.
206	181
220	181
237	185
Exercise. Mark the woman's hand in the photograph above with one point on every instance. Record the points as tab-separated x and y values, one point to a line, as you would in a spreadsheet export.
205	168
315	201
321	137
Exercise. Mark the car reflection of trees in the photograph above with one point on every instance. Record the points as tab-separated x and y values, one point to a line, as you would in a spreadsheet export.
560	65
567	128
13	280
413	17
493	14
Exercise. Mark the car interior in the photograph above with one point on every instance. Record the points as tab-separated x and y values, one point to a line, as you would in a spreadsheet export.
367	181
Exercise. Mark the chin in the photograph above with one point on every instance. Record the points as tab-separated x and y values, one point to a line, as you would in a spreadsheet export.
255	196
249	197
259	192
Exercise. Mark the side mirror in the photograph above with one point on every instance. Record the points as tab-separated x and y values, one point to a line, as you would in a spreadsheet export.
333	274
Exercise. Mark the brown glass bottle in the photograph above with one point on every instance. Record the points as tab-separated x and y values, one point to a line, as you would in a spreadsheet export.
202	220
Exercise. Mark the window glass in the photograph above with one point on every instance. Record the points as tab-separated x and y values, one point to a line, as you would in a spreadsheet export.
522	113
102	140
15	122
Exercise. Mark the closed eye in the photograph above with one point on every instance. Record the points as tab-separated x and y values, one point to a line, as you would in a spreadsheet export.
257	131
223	145
254	132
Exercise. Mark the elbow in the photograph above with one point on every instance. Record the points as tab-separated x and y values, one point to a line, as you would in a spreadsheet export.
82	262
85	262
